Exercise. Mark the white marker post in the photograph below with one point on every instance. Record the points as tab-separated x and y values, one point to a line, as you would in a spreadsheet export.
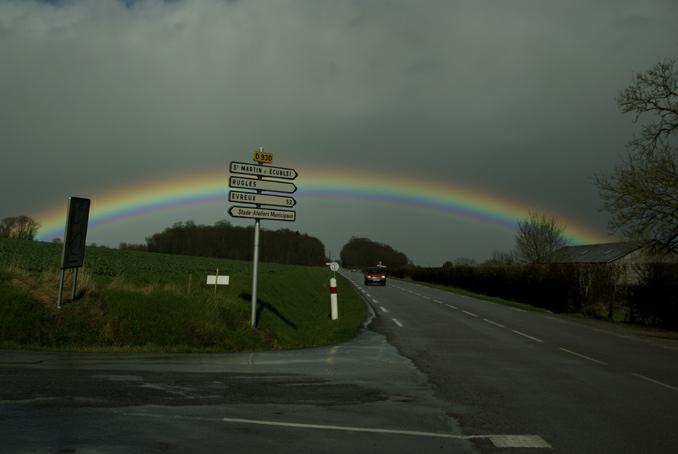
334	305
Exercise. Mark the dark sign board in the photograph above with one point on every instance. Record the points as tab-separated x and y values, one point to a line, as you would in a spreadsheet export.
76	233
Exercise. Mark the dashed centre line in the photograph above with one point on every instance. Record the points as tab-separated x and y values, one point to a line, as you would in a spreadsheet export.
383	309
656	382
395	320
528	336
470	313
437	301
583	356
494	323
452	307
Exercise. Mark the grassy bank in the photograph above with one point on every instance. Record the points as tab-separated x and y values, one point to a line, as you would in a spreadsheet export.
138	301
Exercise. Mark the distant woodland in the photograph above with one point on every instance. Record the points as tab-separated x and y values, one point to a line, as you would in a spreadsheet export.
363	252
227	241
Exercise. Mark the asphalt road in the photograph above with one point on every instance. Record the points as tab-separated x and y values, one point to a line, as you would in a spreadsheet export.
436	372
581	386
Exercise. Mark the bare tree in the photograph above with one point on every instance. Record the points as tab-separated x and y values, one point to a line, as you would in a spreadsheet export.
538	238
641	193
19	227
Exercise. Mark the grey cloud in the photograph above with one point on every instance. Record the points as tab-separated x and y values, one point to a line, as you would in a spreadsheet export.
513	97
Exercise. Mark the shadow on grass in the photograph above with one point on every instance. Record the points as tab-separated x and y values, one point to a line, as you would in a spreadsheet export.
263	305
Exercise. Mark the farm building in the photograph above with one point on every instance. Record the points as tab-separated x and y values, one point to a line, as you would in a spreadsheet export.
628	256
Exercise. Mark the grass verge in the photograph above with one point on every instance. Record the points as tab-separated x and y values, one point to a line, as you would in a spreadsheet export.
137	301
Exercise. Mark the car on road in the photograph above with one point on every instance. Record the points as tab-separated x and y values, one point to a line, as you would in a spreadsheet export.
375	275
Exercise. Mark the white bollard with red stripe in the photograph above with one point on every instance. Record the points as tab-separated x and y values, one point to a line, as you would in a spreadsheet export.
333	299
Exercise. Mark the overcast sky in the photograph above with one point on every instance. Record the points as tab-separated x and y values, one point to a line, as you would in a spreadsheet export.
515	97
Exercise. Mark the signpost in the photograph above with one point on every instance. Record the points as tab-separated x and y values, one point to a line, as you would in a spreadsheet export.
262	185
75	235
238	211
261	199
246	168
265	180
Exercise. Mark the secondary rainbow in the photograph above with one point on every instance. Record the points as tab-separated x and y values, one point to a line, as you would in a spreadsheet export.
143	199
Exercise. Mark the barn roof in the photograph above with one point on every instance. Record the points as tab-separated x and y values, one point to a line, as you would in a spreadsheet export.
596	253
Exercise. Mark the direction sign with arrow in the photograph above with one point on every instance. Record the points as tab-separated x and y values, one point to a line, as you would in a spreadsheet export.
261	199
263	171
261	185
262	213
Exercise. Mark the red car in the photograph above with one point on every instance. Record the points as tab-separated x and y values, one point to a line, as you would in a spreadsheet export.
375	275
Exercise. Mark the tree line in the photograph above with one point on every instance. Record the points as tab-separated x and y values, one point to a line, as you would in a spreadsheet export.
363	252
228	241
19	227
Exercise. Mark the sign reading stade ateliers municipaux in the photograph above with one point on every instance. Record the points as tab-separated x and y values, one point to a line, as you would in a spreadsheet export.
262	213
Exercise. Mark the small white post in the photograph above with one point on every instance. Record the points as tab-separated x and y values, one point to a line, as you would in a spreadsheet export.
333	299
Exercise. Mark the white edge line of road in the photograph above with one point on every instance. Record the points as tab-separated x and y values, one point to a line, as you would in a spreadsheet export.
584	356
499	440
528	336
395	320
657	382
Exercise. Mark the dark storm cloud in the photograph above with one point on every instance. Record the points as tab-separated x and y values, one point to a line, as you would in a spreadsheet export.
514	97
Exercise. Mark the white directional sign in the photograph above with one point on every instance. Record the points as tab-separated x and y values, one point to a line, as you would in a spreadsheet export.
261	199
261	185
263	171
262	213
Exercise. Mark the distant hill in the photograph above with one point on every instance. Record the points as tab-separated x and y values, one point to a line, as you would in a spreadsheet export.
363	252
227	241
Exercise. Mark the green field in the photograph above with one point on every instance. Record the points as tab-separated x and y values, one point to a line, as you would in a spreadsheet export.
139	301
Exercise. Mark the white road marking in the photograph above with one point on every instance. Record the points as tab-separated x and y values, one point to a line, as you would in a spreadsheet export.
655	381
519	441
374	300
494	323
528	336
517	310
383	309
469	313
499	441
395	320
452	307
426	297
438	301
583	356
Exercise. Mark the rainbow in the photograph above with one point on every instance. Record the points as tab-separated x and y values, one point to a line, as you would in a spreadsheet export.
143	199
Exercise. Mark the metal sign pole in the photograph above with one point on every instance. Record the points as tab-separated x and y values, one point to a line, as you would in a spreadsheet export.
75	284
255	260
254	273
61	289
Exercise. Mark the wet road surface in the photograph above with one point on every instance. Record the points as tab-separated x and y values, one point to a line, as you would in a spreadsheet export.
583	386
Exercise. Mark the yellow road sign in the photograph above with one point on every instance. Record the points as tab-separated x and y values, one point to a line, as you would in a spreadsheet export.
262	157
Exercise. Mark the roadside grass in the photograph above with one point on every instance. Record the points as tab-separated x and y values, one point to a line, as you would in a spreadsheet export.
480	296
138	301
